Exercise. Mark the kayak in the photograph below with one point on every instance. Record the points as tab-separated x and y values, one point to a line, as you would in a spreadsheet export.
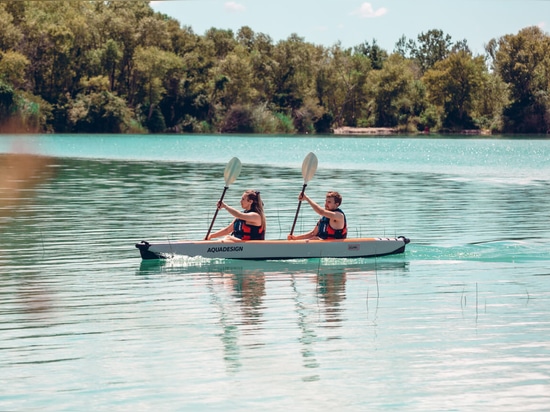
275	249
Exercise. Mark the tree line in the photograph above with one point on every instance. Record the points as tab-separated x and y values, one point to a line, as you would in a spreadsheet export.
121	67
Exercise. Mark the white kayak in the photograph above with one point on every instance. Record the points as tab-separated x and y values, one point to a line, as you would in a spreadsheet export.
275	249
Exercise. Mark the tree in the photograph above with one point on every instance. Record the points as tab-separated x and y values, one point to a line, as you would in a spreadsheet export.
523	62
110	60
263	66
376	55
223	41
97	110
340	82
152	68
152	31
293	72
237	74
431	47
455	84
7	98
492	100
389	91
12	65
10	34
246	38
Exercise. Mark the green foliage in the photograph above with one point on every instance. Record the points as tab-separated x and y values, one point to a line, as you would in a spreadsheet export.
23	111
10	34
99	111
34	112
306	119
429	119
7	98
523	63
376	55
117	66
263	120
345	78
455	84
389	91
432	46
285	124
239	119
490	104
154	120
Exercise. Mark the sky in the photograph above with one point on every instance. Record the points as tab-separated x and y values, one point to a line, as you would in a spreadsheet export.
353	22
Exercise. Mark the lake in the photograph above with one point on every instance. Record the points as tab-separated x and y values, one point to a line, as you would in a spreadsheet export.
459	322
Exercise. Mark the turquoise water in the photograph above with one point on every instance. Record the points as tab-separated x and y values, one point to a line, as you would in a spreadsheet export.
460	322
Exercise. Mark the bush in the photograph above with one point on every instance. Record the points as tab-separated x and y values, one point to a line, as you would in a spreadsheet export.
285	124
238	119
263	120
99	112
7	98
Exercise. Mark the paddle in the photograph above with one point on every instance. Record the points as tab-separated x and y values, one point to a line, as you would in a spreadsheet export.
309	167
230	174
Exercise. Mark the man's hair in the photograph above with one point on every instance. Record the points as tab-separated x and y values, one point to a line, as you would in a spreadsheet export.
336	196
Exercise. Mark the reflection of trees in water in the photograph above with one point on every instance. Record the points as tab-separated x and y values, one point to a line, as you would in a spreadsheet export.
249	290
34	295
331	289
20	174
308	336
318	291
230	332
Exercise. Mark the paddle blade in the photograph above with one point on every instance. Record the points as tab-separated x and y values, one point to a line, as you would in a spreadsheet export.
309	167
232	171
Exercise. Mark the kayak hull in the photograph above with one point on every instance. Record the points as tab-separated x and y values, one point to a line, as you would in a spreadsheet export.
275	249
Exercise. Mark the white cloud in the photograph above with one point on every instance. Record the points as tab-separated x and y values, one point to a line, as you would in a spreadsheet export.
234	7
367	11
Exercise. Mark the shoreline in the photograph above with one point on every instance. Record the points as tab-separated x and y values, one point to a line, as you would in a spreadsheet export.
376	131
389	131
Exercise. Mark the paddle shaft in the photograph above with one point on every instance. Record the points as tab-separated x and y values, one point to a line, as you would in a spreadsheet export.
216	213
298	210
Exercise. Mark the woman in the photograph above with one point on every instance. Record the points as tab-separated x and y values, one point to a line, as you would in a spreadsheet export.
248	224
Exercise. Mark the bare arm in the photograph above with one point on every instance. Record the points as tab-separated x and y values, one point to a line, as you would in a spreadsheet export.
222	232
252	218
312	234
336	218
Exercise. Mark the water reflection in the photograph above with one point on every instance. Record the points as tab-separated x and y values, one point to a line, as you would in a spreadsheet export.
248	289
21	174
229	335
306	325
34	296
241	292
331	289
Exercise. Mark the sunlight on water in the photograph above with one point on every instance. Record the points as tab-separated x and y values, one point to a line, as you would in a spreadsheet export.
459	322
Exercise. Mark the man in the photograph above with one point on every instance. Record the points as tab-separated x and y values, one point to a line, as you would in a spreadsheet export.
332	224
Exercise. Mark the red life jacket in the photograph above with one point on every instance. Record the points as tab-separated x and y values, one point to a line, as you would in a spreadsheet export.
244	231
326	231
